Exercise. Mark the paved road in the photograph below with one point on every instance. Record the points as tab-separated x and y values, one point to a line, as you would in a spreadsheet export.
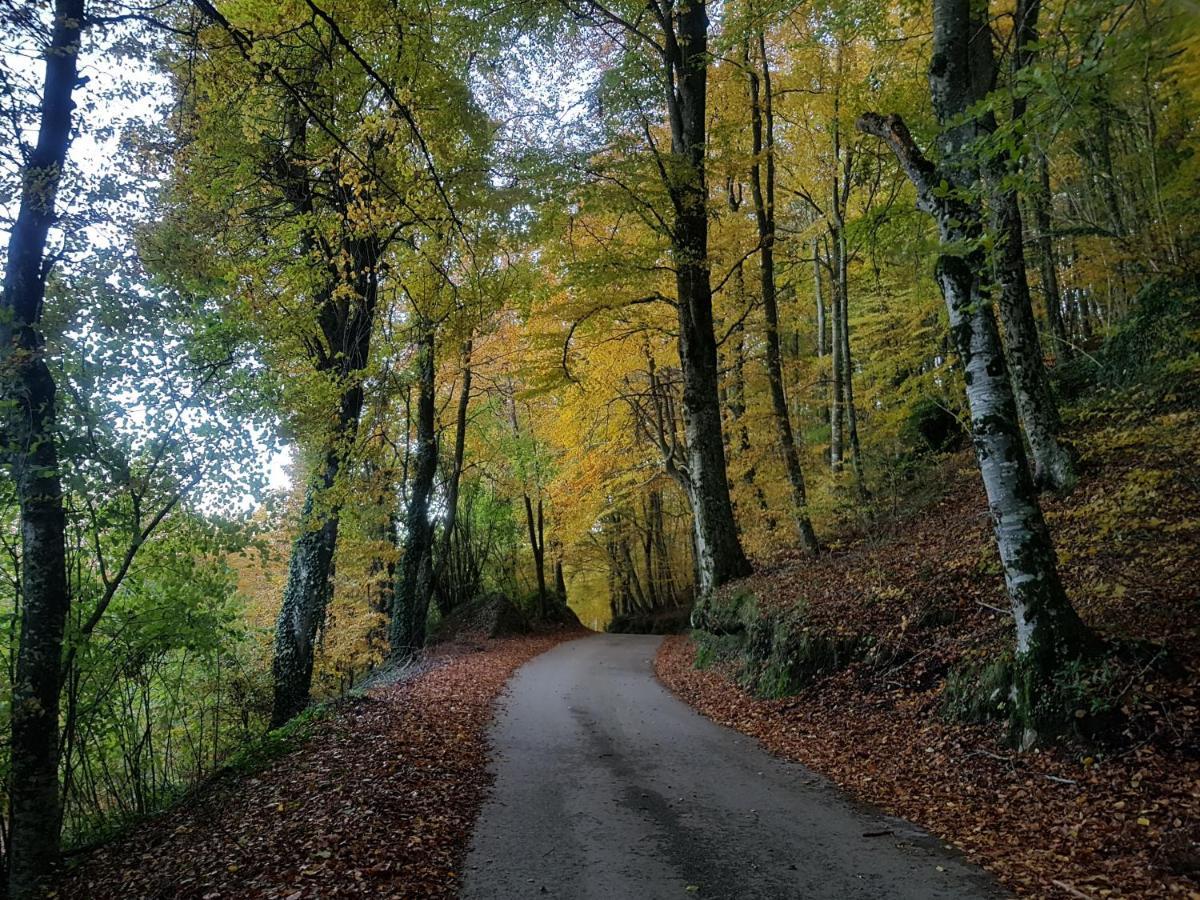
608	787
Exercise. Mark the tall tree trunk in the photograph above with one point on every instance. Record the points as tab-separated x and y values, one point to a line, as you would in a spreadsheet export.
763	190
1022	349
819	299
840	265
1048	264
537	542
411	606
31	454
720	557
667	588
837	373
842	297
647	542
306	594
446	595
346	317
560	580
1048	630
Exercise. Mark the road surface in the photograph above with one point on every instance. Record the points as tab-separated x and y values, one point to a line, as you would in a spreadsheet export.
609	787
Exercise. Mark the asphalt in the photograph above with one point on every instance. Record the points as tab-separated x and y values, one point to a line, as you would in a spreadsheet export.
609	787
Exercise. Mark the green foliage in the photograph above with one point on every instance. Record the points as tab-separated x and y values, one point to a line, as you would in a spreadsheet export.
1158	341
258	753
1084	697
164	688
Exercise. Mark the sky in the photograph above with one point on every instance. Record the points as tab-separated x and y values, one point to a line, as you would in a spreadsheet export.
124	92
121	93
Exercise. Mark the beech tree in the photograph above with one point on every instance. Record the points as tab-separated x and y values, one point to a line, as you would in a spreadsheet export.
1048	630
676	38
762	181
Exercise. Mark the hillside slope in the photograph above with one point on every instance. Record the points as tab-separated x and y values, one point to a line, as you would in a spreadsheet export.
872	665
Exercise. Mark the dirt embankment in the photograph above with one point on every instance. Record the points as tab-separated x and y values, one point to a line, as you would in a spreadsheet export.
377	802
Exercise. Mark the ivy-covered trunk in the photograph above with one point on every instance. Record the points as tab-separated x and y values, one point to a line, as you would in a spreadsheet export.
762	129
1048	630
306	595
718	548
346	316
411	606
31	456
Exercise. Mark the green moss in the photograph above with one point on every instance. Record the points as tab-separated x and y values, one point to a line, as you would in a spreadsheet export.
712	649
1081	698
725	612
978	693
783	654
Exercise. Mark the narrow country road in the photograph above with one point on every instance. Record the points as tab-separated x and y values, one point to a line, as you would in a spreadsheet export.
609	787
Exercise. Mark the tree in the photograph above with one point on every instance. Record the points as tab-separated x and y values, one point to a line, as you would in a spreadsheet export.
762	180
1022	348
31	455
415	585
1048	630
679	46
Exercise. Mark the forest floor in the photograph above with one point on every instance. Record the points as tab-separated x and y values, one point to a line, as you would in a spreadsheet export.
1116	819
378	801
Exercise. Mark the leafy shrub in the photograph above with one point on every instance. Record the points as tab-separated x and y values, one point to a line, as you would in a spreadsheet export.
1085	698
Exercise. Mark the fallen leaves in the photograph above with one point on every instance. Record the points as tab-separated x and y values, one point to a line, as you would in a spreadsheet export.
379	802
1039	832
925	589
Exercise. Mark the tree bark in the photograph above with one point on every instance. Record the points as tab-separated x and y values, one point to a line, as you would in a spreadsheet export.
31	454
720	557
1023	350
1048	630
346	317
560	580
762	127
306	595
416	570
445	595
1048	263
537	542
840	265
837	373
819	299
842	298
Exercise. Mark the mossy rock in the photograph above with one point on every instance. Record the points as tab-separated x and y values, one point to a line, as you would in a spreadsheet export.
783	654
493	615
729	611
